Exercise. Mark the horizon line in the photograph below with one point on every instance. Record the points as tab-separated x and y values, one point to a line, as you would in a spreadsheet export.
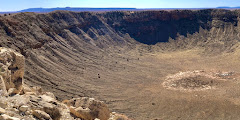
124	8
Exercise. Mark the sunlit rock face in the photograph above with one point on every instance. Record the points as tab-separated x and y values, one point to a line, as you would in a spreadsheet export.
12	71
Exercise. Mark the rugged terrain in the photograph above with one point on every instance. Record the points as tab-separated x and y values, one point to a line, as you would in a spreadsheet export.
146	64
18	101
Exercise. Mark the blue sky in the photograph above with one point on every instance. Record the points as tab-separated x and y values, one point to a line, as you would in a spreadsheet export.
14	5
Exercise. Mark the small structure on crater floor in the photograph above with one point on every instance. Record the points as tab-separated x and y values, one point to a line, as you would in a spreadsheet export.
195	80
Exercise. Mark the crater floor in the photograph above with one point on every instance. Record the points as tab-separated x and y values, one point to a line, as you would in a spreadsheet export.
173	87
207	87
132	83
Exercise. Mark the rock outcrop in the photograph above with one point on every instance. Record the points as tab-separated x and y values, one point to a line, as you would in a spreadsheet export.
88	108
11	71
19	101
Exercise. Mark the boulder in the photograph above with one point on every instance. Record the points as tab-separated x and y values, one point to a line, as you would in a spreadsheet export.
3	103
3	90
116	116
26	89
23	108
88	108
12	91
41	115
82	113
48	104
7	117
2	111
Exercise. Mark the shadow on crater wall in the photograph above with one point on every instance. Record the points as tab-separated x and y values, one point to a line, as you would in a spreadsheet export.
151	27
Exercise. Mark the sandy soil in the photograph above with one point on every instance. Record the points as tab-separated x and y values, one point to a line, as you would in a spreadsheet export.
133	83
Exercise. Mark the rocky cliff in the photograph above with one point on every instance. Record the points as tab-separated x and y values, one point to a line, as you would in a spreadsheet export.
151	27
31	31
